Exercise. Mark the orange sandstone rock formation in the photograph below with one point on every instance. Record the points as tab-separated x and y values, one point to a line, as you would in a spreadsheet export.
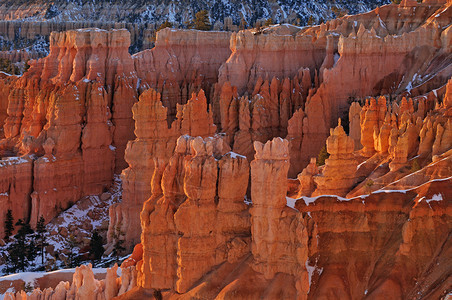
324	54
196	218
84	285
154	145
73	108
60	110
181	63
338	175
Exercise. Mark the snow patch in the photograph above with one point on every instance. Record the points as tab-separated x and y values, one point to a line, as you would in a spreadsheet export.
435	197
291	202
236	155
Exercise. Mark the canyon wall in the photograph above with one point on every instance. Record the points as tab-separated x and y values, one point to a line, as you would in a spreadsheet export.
296	68
68	115
71	113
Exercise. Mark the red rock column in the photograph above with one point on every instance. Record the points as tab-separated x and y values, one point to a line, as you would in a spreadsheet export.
273	237
195	218
338	176
233	219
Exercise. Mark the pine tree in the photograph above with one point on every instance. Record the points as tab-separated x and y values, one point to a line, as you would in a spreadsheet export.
9	225
269	22
96	249
201	21
323	155
70	244
243	24
165	24
22	251
118	246
41	242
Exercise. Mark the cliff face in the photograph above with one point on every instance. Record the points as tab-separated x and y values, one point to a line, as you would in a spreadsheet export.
306	68
72	111
294	251
25	26
392	169
182	62
69	114
153	147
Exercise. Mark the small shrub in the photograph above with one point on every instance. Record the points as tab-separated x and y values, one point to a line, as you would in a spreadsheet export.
415	166
323	155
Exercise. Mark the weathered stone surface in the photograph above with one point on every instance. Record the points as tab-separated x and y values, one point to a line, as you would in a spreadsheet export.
85	285
60	111
155	143
273	225
339	174
191	222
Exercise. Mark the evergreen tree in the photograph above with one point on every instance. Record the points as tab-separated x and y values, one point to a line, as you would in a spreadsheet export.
41	242
9	225
27	66
243	24
118	247
323	155
96	249
22	251
201	21
70	244
165	24
269	22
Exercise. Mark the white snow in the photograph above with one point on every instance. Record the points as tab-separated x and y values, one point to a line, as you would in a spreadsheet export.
309	200
435	197
30	277
390	191
382	24
291	202
311	270
235	155
13	160
336	58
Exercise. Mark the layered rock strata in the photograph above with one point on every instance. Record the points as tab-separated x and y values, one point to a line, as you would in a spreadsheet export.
196	217
339	174
154	146
182	62
326	52
73	109
63	111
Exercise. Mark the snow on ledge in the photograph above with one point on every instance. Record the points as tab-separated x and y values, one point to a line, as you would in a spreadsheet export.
308	200
235	155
